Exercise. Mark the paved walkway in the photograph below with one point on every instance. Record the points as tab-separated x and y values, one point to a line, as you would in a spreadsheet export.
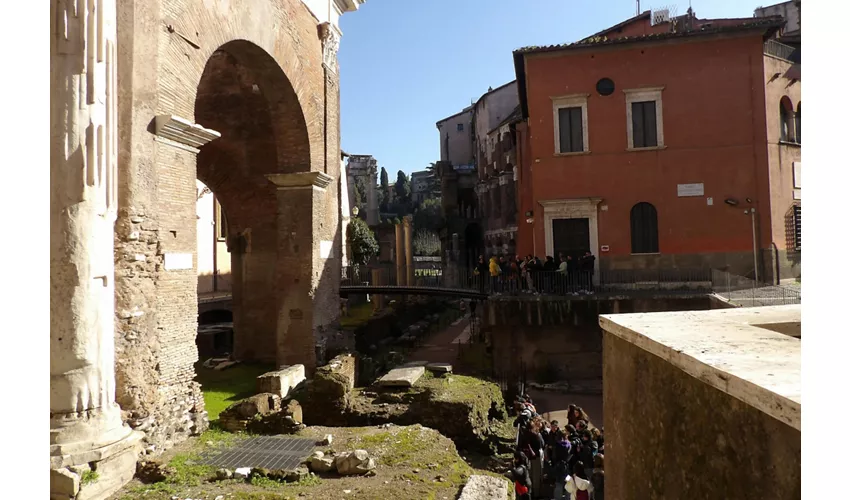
441	346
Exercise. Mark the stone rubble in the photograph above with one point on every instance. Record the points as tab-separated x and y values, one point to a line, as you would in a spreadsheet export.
402	377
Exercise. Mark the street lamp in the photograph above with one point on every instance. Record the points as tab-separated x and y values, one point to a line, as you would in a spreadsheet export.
355	211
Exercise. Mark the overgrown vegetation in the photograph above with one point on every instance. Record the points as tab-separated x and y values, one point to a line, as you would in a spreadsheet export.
357	315
362	241
223	388
426	242
89	477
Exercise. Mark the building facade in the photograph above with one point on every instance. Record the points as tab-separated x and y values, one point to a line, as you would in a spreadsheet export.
363	169
456	138
421	185
674	148
214	274
495	115
148	98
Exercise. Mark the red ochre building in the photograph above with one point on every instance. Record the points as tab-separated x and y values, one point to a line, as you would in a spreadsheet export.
651	143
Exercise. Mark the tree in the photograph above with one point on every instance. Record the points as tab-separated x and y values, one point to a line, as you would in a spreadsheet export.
385	190
429	215
361	195
433	181
361	240
426	242
402	187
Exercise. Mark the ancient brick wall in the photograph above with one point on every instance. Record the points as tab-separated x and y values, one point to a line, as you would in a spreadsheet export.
165	46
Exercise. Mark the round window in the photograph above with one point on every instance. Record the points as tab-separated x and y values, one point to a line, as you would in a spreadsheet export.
605	86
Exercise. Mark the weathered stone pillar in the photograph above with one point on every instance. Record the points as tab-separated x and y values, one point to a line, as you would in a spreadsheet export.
85	421
373	217
301	266
400	259
408	248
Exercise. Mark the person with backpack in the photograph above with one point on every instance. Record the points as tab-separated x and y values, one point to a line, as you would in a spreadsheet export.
577	484
561	454
520	476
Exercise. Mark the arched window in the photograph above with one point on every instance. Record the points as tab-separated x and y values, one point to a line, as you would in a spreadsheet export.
797	123
786	113
644	228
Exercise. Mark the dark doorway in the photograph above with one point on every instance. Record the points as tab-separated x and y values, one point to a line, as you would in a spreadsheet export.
571	237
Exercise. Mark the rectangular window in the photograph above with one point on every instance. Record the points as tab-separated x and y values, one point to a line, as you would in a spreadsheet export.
644	125
460	127
644	118
571	134
220	223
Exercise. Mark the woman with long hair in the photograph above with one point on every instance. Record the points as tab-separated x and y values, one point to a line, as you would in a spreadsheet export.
577	484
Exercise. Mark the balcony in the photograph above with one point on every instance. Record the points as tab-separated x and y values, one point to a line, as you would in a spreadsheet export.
782	51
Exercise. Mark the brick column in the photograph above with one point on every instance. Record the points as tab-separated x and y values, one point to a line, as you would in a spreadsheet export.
86	427
301	269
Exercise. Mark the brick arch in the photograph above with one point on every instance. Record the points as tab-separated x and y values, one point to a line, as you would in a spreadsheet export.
277	37
244	95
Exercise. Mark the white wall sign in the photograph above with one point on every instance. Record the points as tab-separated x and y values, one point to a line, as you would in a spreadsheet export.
797	172
684	190
178	261
326	249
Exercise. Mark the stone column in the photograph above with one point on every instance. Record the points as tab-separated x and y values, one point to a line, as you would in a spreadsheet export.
300	271
372	212
408	248
85	421
400	259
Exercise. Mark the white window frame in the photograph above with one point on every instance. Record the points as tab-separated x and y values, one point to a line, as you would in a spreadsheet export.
571	101
641	95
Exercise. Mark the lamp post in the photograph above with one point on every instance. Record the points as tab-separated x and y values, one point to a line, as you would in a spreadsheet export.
355	211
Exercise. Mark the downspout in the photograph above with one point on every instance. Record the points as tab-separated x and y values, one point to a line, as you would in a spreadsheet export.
757	216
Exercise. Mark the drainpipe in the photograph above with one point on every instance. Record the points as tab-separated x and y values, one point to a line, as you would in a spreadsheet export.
755	245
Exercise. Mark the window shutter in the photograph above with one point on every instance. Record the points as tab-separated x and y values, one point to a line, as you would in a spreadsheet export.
564	132
637	125
576	136
644	225
797	230
650	129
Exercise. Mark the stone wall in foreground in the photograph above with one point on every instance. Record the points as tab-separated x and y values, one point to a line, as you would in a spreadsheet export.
670	436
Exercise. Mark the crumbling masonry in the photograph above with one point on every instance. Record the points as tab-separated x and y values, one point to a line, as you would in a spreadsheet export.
147	97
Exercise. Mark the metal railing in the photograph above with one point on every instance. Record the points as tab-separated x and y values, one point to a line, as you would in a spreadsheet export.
688	281
780	50
745	292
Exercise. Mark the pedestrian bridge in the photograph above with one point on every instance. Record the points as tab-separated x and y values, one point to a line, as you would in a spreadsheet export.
442	280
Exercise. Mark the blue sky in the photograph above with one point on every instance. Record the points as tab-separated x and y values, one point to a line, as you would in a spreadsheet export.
404	64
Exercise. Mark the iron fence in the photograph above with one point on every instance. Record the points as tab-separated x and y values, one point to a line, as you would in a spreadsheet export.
745	292
780	50
534	281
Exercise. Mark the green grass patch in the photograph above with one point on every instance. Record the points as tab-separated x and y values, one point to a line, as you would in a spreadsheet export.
225	387
357	316
89	477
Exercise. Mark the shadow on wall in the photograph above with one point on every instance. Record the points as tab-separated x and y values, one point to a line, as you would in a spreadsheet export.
210	283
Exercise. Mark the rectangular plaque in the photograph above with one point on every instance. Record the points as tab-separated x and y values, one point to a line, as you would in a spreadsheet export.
178	261
685	190
326	249
797	172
